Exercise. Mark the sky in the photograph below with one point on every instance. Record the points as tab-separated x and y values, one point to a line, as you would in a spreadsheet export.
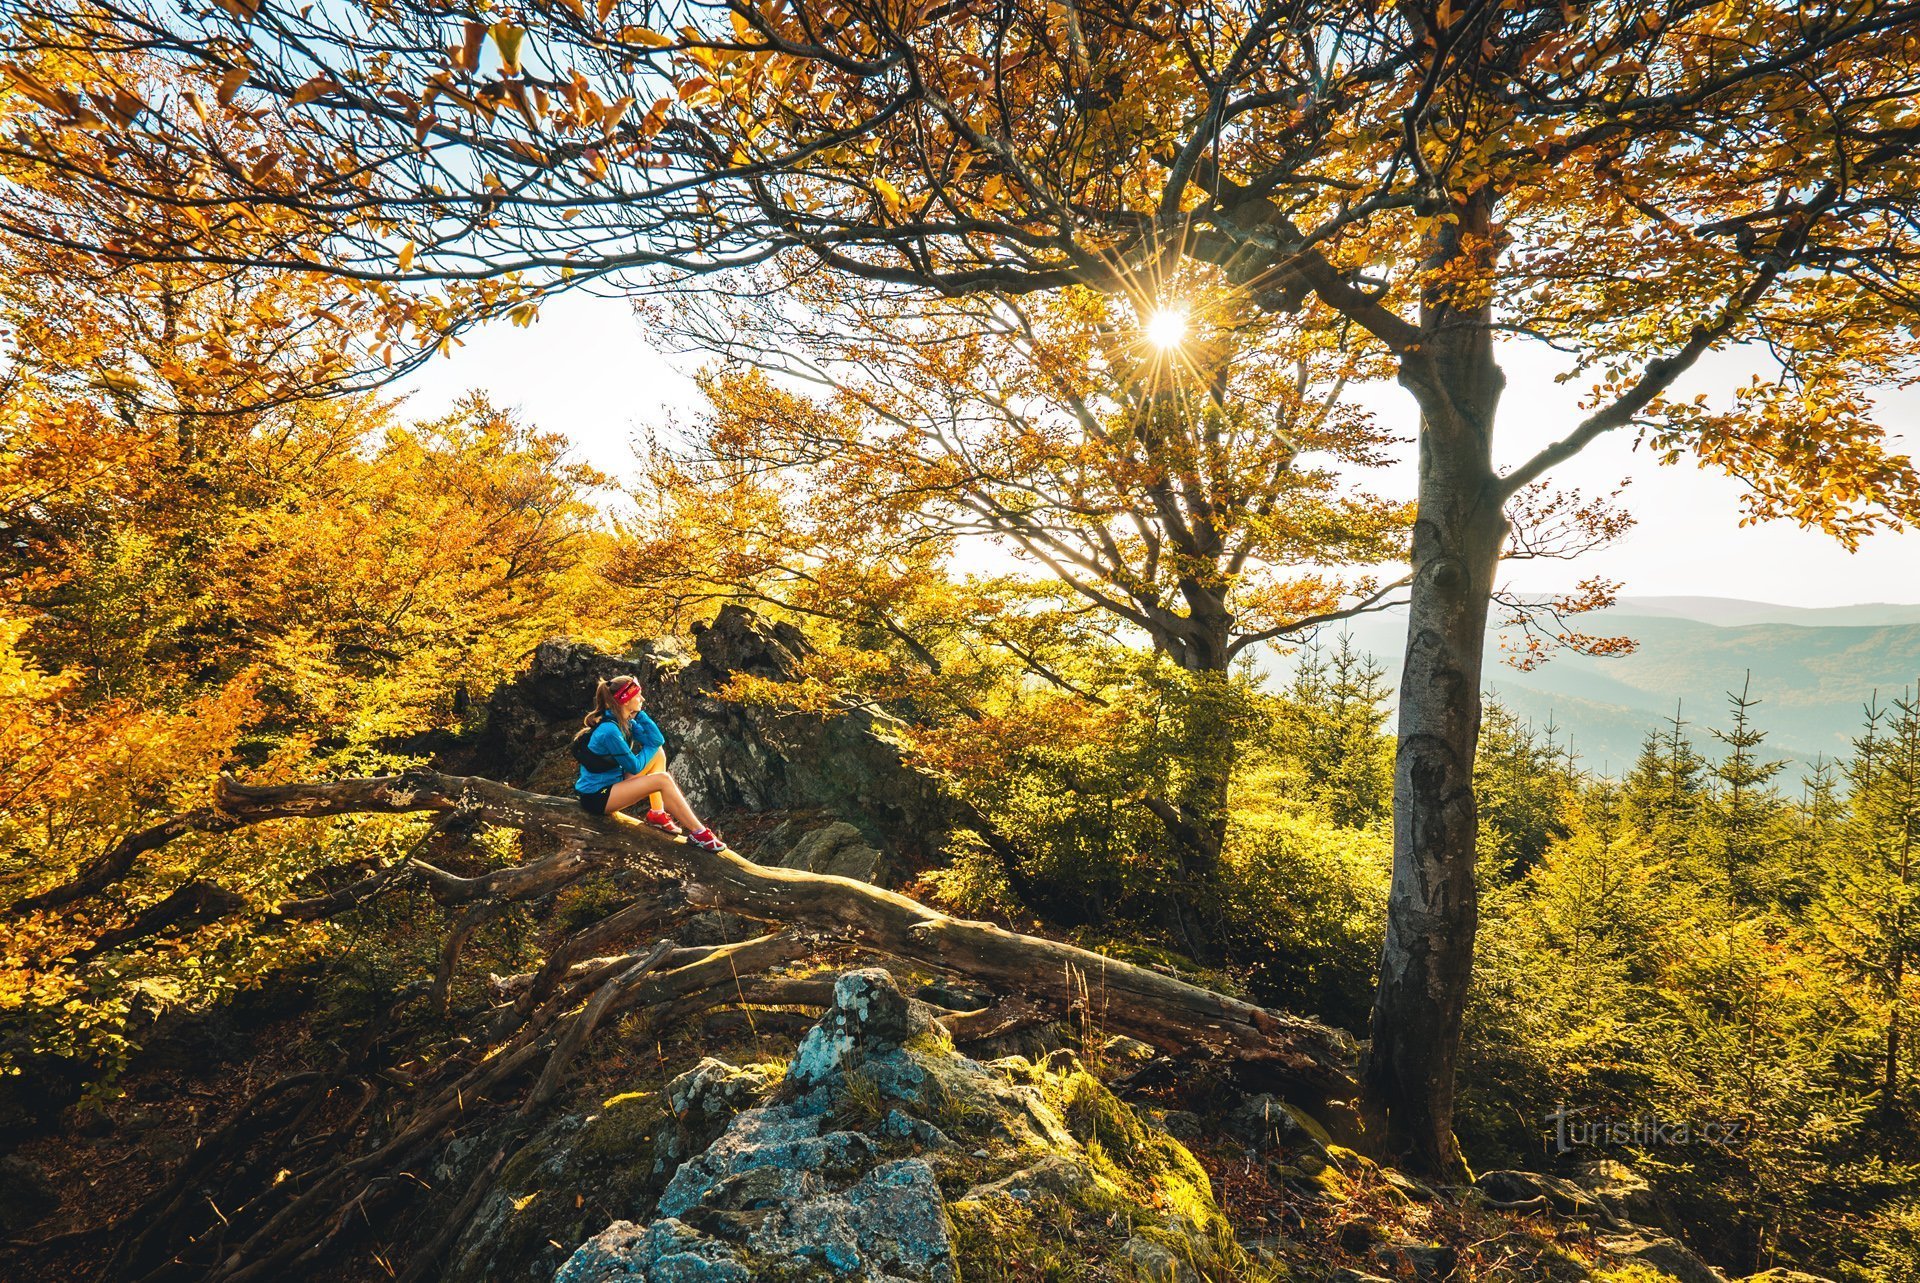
587	368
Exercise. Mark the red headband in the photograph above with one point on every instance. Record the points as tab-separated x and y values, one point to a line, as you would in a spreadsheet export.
624	691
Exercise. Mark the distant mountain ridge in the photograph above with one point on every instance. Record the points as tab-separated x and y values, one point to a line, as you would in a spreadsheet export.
1732	612
1813	669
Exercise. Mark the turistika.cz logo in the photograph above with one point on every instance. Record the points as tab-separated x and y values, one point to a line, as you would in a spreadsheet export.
1580	1129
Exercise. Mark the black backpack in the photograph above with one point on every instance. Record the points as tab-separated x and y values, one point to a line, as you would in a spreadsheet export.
598	762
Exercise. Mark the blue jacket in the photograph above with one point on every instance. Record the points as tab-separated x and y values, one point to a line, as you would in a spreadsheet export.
630	756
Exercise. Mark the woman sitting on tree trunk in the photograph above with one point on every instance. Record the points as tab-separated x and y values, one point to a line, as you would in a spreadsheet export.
623	758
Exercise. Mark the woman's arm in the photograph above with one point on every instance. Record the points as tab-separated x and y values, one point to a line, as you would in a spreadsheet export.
607	741
648	736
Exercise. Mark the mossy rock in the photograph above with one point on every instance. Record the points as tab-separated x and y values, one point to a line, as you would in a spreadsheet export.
886	1154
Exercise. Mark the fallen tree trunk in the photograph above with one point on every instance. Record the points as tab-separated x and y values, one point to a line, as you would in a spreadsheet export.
1165	1012
1160	1010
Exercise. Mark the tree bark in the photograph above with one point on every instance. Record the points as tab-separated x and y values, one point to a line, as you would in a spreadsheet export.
1432	906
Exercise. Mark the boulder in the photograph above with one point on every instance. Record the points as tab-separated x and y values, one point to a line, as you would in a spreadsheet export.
1547	1193
1267	1123
1621	1190
1657	1252
838	849
730	755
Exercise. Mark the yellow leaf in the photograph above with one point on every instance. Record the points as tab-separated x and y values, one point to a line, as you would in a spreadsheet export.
54	99
889	195
507	38
644	36
406	256
614	113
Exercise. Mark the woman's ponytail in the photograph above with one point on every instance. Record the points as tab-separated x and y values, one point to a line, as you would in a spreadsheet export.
599	704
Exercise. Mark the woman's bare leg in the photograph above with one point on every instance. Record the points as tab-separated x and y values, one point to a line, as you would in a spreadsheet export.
635	787
658	762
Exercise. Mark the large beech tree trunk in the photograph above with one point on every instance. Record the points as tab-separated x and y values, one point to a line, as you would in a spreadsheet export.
1432	907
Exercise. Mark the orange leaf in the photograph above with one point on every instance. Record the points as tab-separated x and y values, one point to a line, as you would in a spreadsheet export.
468	58
315	88
230	84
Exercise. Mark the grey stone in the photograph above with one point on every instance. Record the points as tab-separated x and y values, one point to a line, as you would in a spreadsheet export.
1267	1122
869	1017
1131	1050
1182	1125
838	849
1621	1190
917	1130
1546	1192
1157	1262
1428	1262
713	1091
1054	1174
664	1252
1660	1253
1413	1189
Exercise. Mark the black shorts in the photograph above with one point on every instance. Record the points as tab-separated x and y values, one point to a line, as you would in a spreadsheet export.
594	803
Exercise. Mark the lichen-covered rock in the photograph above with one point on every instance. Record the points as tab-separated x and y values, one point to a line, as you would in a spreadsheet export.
870	1021
714	1091
885	1155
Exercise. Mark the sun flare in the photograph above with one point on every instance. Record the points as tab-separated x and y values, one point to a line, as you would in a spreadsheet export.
1167	327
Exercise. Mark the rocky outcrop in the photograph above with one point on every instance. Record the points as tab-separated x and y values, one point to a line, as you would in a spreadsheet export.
878	1153
731	756
882	1154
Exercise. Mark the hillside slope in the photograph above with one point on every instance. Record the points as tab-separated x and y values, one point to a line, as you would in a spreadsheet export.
1812	671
